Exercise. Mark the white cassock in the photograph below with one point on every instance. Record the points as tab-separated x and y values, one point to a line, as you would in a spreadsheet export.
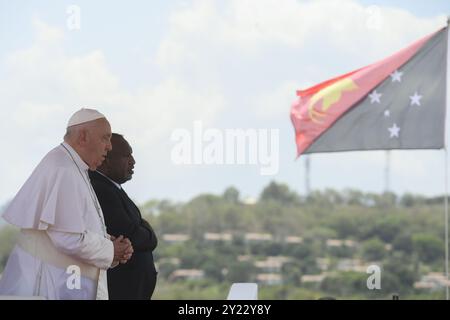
61	225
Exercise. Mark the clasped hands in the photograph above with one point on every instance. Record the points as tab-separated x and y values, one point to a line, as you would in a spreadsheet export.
123	250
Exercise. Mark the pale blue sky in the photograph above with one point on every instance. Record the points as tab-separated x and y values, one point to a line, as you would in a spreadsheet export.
154	66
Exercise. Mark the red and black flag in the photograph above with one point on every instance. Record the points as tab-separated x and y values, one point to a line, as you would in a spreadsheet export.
396	103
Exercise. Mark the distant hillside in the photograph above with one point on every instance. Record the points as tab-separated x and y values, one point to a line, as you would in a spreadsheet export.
295	246
299	247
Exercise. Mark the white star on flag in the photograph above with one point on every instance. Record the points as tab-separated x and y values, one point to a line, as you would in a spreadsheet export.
395	103
394	130
375	96
396	76
415	99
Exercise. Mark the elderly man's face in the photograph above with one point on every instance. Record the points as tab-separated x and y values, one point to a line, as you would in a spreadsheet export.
120	162
98	143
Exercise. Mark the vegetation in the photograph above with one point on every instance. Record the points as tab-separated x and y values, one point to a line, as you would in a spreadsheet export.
330	234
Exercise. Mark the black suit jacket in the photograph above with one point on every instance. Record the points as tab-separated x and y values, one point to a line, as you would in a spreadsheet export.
135	279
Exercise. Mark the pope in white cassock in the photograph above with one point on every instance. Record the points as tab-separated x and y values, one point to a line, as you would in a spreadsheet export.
63	232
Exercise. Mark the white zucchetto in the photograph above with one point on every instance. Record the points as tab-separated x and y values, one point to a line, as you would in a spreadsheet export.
84	115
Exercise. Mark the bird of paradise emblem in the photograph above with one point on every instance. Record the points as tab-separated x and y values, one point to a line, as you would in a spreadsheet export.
329	96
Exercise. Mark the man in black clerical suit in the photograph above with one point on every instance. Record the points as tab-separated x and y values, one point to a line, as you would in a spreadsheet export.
135	279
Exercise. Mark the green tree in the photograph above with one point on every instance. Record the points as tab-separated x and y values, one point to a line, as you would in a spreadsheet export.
231	194
429	247
409	200
280	193
403	242
241	271
385	228
398	274
292	272
214	268
345	283
373	249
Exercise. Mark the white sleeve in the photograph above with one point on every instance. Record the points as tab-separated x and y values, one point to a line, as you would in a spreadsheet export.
88	247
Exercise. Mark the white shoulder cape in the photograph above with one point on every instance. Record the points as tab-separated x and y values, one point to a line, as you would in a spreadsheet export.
50	196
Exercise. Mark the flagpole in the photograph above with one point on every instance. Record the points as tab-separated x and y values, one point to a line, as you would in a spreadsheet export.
387	171
446	222
446	190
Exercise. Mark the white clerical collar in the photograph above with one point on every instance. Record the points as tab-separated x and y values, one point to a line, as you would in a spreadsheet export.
76	157
115	183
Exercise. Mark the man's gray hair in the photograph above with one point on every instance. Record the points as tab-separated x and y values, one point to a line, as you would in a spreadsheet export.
73	131
70	131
